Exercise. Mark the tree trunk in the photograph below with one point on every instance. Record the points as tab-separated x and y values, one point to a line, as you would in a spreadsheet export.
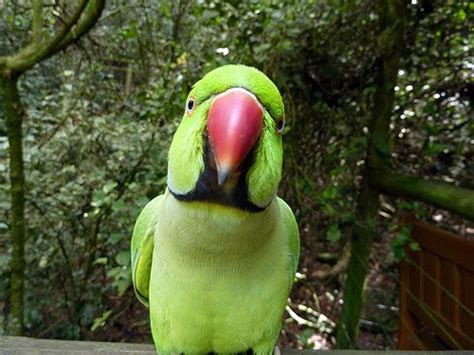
361	245
389	42
14	119
82	19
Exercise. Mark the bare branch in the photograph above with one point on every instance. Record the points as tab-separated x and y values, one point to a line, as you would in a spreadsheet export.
437	193
339	268
37	22
82	20
92	14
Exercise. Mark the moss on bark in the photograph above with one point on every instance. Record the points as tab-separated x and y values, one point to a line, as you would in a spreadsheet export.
83	18
14	119
437	193
390	37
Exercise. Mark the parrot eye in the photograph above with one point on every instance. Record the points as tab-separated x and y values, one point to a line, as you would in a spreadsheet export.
280	125
190	105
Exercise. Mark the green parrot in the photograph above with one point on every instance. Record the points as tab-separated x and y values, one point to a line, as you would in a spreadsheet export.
215	256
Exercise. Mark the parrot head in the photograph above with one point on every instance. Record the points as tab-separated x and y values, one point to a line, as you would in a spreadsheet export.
227	148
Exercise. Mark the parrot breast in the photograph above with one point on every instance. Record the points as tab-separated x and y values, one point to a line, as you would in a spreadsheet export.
220	282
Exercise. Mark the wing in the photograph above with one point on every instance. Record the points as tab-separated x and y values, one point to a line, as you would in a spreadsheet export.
293	233
142	248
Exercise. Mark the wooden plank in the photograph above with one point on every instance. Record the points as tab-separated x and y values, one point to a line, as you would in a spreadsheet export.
414	273
406	321
448	300
440	242
429	284
449	334
466	320
440	293
22	346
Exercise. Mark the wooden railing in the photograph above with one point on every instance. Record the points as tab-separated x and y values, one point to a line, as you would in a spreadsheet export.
437	291
30	346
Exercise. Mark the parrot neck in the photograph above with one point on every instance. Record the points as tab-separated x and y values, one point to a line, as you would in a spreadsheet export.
200	227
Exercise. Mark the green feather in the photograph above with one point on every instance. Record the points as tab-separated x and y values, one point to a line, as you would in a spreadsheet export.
185	159
252	79
291	227
217	277
265	174
142	248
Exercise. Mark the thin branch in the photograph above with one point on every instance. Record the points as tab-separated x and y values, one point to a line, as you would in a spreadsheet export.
300	320
55	130
59	240
68	25
81	21
456	126
105	210
88	21
37	22
338	268
34	52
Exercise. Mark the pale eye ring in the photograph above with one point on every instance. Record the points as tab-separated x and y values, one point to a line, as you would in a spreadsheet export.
280	125
190	105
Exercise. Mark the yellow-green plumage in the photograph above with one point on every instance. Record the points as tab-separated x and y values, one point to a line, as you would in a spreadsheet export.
217	277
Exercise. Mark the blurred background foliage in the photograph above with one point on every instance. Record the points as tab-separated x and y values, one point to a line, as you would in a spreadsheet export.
100	118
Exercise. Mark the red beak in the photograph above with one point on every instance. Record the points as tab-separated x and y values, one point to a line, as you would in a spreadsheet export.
234	123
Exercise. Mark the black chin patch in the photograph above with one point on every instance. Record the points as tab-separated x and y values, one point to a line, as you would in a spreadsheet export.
208	189
248	352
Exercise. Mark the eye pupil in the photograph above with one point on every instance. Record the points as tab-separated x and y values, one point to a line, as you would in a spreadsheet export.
190	105
280	124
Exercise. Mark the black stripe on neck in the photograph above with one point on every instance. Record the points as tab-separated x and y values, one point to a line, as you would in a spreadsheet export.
207	188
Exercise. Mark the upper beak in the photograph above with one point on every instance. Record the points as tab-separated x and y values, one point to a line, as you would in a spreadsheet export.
234	124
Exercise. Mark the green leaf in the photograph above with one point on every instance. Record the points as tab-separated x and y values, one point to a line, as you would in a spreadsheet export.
398	253
337	171
329	193
114	238
122	285
347	217
121	278
334	233
118	205
123	258
435	148
109	186
100	261
305	335
100	321
401	241
98	199
4	261
415	246
328	209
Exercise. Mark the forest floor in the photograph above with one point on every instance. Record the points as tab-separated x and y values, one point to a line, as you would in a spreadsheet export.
315	305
